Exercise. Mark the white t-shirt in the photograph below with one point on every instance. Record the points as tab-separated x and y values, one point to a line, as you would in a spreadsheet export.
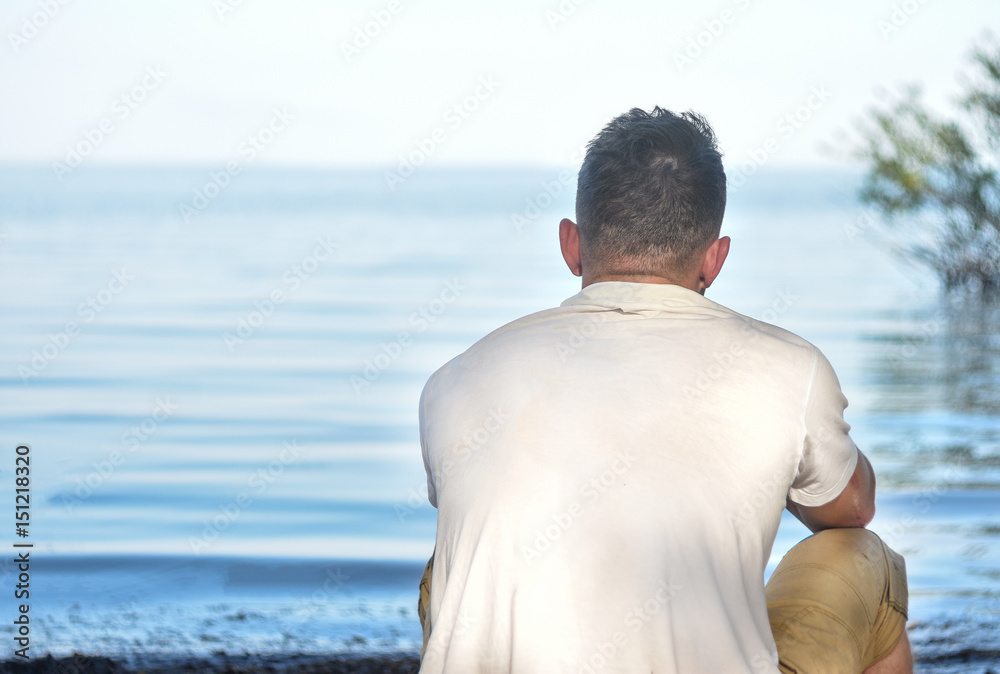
609	477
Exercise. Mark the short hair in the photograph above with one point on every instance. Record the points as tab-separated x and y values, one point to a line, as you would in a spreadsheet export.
651	191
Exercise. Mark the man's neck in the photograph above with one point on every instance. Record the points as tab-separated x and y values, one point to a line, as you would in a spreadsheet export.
635	277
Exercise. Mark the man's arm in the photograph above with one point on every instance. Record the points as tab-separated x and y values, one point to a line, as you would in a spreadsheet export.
854	507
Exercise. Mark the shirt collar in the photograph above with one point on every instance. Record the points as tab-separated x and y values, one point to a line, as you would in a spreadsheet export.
642	298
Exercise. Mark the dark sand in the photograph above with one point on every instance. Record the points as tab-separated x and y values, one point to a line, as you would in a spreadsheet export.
80	664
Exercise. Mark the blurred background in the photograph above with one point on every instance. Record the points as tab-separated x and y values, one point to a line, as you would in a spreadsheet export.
236	237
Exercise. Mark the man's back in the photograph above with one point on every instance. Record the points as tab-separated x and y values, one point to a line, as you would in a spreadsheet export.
610	476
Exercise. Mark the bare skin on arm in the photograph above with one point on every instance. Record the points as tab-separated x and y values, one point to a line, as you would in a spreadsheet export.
899	661
854	507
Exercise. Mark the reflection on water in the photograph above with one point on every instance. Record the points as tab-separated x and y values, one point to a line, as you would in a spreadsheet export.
936	385
936	415
947	361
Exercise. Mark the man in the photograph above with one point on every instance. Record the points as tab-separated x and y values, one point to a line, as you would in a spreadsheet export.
610	474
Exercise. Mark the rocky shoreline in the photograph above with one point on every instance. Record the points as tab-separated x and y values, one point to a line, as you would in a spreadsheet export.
222	664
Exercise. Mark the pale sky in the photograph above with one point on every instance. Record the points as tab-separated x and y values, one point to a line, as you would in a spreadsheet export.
533	80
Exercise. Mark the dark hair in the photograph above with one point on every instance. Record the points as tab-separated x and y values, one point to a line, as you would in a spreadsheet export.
651	189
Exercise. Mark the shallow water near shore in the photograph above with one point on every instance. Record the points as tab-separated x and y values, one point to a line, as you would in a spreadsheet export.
224	446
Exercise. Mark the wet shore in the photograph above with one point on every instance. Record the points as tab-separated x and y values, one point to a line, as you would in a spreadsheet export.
968	660
222	664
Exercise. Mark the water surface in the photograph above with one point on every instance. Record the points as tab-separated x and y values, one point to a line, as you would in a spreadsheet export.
222	411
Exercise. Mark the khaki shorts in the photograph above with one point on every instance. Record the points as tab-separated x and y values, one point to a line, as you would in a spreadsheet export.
424	603
836	602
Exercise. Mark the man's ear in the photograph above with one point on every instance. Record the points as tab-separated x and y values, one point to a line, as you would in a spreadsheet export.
715	257
569	241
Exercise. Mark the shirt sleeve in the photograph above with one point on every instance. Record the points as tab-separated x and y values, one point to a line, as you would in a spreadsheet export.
829	455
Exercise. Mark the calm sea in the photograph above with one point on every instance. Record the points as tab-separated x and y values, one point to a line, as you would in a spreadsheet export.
218	381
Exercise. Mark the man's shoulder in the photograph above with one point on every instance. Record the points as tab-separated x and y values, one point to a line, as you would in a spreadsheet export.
517	334
771	341
773	332
531	342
